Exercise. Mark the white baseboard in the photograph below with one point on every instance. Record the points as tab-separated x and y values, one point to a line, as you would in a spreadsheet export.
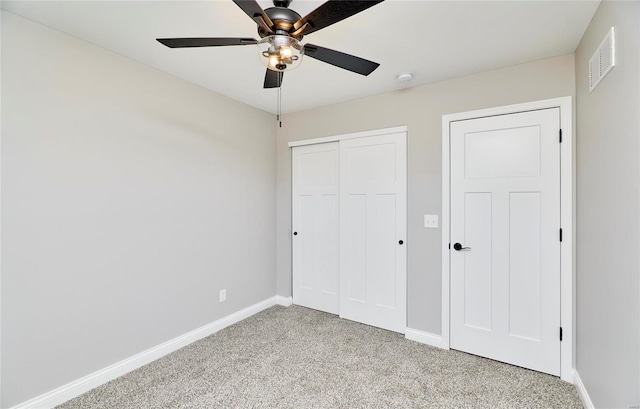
582	391
423	337
284	301
86	383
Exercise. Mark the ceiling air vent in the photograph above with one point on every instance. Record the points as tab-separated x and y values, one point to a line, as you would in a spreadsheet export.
603	60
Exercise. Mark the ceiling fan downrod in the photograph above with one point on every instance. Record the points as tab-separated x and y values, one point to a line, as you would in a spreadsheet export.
282	3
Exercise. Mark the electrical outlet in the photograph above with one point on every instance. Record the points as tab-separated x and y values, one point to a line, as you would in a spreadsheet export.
223	295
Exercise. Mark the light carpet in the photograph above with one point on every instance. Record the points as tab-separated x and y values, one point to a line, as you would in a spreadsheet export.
301	358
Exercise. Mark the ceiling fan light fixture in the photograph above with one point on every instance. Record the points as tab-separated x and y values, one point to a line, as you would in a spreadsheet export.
280	52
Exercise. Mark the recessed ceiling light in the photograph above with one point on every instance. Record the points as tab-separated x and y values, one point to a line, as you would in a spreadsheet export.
405	77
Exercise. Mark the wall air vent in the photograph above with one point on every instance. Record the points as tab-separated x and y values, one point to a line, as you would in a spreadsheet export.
603	60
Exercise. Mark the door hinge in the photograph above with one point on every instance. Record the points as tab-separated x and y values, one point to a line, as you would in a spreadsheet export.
560	333
560	234
561	136
449	246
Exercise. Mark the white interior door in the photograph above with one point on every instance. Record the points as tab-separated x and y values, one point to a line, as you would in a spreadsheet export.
373	230
505	207
315	226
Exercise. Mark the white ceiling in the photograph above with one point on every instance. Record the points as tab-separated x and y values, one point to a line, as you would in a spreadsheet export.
436	40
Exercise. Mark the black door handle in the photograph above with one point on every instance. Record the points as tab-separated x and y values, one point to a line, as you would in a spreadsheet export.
295	233
401	242
458	247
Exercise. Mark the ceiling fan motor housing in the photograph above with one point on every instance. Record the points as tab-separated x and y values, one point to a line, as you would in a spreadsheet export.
283	20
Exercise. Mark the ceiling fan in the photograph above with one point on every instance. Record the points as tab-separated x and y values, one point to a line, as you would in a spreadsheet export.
281	30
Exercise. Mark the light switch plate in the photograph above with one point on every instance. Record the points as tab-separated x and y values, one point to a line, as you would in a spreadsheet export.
431	221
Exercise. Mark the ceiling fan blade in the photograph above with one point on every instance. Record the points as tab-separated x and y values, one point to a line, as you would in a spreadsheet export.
339	59
253	10
205	42
273	79
331	12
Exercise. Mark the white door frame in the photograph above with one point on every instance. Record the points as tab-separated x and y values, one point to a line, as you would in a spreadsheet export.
567	197
337	138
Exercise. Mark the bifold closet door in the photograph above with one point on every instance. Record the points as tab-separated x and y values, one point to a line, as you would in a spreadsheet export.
373	218
315	226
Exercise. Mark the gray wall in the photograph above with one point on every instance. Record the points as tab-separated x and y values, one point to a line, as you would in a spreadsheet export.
421	109
608	212
129	199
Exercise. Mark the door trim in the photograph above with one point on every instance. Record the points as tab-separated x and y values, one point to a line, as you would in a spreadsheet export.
353	135
567	203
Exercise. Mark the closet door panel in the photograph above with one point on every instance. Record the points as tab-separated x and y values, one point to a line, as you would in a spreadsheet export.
315	226
373	230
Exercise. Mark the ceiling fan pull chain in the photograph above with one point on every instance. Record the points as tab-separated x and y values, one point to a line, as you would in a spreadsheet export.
279	115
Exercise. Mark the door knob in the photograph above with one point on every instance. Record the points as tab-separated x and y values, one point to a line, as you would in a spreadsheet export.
458	247
401	242
295	233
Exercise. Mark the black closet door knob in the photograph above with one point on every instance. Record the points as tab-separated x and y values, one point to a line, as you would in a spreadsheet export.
295	233
458	247
401	242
